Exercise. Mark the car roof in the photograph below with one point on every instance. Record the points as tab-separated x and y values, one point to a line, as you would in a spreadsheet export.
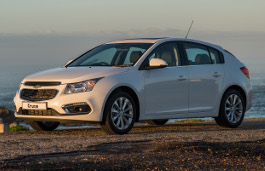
138	40
162	40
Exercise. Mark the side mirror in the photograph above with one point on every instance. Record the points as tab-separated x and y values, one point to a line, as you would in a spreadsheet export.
156	63
68	63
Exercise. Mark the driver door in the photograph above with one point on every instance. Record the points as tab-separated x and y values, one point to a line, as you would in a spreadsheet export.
166	89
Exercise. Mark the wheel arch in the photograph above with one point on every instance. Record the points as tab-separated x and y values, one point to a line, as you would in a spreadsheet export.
239	89
132	93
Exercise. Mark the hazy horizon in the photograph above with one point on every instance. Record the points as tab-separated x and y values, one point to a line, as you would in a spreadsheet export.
53	49
49	33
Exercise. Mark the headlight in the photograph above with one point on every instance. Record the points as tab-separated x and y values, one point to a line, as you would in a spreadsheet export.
83	86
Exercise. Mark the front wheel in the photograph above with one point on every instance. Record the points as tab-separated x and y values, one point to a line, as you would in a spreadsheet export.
120	113
44	126
232	109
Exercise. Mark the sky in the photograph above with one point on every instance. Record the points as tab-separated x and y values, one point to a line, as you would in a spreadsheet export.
51	32
68	16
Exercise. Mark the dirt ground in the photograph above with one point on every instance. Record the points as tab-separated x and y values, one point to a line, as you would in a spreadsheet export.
175	146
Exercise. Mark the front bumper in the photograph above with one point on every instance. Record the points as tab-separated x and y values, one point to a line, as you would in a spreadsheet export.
61	119
58	104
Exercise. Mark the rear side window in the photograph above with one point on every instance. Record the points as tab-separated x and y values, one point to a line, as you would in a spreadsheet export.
197	54
215	56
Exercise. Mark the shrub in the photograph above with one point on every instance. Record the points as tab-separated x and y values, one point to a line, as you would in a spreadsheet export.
190	120
18	128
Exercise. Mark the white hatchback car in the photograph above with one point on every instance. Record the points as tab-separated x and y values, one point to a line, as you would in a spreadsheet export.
119	83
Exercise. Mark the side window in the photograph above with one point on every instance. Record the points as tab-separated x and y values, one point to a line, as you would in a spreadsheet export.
215	56
197	54
168	52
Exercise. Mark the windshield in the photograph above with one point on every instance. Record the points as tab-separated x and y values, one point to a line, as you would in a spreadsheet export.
120	55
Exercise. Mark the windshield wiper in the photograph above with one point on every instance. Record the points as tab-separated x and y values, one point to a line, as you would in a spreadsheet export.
121	65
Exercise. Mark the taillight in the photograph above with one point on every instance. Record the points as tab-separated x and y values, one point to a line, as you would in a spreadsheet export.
245	71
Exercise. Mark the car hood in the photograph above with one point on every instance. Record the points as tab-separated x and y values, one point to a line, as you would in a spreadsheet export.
73	74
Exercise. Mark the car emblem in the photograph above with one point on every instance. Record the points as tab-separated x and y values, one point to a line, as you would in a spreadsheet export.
37	86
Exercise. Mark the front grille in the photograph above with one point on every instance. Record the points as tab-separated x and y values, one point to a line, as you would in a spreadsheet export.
42	83
38	95
48	112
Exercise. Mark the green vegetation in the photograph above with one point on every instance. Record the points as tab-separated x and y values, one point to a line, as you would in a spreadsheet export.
190	120
18	128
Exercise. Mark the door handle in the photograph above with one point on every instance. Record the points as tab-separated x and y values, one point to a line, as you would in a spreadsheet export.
181	78
216	74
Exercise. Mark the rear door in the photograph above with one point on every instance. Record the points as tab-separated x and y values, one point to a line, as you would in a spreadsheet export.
205	77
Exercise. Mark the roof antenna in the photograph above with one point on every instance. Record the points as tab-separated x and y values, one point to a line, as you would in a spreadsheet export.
189	30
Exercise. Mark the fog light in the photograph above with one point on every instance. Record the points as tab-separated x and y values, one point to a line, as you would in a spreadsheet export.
77	108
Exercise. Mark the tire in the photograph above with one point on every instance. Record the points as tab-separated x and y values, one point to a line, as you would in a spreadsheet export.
120	114
44	126
232	109
157	122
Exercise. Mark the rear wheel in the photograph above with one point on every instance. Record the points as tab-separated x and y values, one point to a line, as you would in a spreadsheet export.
232	109
44	126
120	113
157	122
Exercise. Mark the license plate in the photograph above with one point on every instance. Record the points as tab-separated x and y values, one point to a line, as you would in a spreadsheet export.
34	106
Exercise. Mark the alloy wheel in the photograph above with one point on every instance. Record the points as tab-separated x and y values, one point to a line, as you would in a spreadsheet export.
233	108
122	113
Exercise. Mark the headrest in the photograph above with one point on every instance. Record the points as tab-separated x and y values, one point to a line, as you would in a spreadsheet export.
202	59
135	55
166	56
